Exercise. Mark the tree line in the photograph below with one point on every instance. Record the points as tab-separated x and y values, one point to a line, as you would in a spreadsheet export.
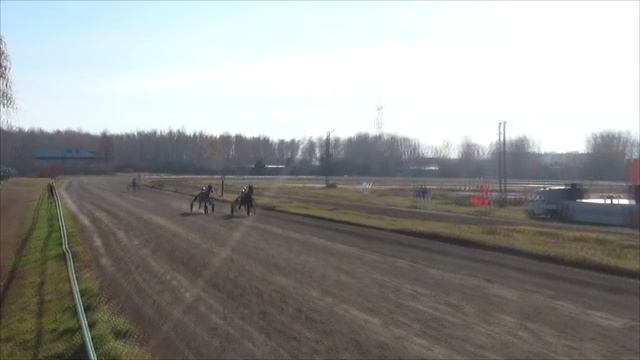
363	154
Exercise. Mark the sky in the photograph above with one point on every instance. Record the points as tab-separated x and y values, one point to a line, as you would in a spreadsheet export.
555	71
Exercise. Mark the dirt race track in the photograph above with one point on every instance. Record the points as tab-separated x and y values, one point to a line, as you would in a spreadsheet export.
277	285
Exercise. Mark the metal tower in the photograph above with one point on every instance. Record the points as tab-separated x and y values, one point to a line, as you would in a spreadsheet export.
379	123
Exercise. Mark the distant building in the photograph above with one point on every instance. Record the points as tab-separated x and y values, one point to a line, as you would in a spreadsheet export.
561	159
64	160
422	167
552	159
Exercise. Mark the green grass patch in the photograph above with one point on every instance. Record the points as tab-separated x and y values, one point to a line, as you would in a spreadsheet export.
38	313
616	251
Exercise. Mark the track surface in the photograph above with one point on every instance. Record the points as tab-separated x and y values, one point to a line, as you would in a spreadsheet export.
277	286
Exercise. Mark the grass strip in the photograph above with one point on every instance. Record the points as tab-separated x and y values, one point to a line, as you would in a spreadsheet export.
38	317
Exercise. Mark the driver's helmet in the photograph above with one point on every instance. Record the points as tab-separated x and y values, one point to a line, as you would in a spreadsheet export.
204	188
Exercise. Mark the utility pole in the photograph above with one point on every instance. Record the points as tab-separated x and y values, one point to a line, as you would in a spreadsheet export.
504	159
499	149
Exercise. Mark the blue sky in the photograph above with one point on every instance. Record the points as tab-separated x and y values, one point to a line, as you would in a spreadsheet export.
443	70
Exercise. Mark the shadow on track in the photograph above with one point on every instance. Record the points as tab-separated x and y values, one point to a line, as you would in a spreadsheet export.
191	214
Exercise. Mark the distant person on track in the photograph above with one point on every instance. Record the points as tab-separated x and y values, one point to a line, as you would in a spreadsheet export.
133	185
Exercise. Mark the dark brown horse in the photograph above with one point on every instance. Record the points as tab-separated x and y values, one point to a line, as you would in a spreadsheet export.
204	197
244	199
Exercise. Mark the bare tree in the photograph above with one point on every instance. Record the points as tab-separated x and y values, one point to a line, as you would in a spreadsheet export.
470	155
281	151
105	148
468	150
7	101
443	151
309	152
607	153
521	157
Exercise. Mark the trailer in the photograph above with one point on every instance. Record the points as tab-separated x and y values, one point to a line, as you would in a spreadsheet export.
549	202
570	204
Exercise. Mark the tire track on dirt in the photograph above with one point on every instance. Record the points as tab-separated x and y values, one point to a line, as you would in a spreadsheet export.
161	222
108	266
179	283
507	328
192	293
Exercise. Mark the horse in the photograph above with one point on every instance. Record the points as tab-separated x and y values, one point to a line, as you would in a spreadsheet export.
204	197
244	199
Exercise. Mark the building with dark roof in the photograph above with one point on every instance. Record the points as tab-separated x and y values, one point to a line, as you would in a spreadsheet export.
55	161
64	154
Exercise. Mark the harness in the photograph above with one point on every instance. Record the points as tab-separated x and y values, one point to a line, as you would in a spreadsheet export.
206	195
